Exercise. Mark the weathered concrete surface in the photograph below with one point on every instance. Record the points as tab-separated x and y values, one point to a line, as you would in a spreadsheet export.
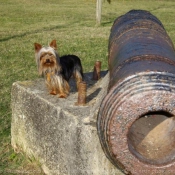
58	134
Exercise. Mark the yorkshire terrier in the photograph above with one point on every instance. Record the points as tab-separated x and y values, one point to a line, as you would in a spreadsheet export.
57	70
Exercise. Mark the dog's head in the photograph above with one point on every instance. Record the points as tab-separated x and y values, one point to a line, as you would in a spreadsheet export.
47	58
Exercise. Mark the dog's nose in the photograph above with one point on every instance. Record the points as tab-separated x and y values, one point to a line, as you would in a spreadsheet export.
47	60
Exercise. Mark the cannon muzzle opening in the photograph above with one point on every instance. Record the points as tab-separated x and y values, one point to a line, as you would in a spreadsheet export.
151	138
136	118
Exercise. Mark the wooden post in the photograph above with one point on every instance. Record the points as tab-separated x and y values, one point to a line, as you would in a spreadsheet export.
98	11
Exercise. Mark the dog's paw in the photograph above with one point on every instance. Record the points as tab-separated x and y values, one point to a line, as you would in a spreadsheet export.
62	95
53	92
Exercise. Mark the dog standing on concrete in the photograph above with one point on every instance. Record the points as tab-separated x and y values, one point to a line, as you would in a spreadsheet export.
57	70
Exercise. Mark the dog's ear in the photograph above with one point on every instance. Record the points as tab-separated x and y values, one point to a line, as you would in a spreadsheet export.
53	44
37	47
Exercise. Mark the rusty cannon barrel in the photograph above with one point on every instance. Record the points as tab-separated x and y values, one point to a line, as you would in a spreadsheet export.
136	123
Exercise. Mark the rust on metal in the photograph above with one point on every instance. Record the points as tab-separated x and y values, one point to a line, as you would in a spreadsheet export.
97	70
136	123
82	93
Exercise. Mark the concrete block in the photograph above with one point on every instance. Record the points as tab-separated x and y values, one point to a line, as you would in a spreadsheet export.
57	133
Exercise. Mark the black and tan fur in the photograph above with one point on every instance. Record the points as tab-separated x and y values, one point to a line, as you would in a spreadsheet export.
57	70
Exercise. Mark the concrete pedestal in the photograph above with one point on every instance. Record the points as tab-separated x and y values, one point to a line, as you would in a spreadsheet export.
56	132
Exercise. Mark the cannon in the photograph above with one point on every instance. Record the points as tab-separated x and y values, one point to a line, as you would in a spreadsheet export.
136	123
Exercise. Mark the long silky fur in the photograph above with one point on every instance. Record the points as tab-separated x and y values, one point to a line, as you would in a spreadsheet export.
56	84
58	70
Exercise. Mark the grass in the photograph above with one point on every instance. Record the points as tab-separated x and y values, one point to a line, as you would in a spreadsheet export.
73	24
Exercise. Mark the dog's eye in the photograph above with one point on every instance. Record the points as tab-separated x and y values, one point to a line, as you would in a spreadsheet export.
42	55
50	54
46	54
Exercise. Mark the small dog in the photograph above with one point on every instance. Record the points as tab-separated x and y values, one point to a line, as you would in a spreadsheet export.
57	70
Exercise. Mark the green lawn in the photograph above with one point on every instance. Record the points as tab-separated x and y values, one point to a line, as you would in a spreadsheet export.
72	23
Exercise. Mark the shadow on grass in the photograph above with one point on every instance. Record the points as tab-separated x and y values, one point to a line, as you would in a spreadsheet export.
36	31
107	23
